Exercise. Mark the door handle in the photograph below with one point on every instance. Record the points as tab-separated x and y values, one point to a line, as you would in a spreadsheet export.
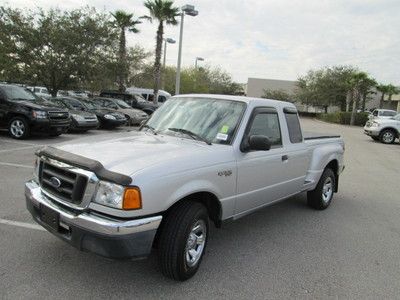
285	157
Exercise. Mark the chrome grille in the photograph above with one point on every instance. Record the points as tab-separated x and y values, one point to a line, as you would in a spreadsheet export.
58	115
62	183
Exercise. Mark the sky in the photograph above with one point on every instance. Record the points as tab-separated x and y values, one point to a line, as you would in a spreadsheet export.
276	39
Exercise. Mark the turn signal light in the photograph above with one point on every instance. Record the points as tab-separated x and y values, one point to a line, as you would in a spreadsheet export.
132	199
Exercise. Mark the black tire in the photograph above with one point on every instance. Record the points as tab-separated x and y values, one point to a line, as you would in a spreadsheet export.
375	138
18	128
174	239
316	198
387	136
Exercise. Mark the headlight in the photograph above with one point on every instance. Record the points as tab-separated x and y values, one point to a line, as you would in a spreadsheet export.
375	124
39	114
118	196
109	117
77	117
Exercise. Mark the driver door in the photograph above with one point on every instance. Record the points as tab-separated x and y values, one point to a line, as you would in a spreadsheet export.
262	173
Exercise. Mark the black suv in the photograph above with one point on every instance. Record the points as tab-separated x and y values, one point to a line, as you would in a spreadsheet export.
134	101
22	113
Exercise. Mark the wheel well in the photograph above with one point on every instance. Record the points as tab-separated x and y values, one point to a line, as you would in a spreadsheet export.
334	166
13	115
391	129
209	200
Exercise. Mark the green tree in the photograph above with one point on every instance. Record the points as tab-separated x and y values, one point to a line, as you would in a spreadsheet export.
59	48
392	90
383	89
276	95
356	83
324	87
366	88
165	13
123	21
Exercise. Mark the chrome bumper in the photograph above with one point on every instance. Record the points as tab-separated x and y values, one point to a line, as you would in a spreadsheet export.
133	237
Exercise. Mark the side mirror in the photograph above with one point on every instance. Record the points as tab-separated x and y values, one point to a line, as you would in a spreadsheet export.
259	143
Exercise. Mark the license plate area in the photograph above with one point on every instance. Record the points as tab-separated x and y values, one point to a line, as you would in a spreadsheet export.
50	217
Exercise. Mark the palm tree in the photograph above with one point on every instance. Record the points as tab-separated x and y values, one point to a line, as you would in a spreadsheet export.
164	12
384	89
123	21
365	89
356	82
392	90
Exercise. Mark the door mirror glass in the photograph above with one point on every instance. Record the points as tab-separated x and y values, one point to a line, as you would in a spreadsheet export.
259	143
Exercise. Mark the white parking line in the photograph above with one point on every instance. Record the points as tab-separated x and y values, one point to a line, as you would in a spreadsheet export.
22	224
15	165
16	149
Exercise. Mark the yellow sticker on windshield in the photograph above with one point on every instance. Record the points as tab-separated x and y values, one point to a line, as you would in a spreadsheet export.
224	129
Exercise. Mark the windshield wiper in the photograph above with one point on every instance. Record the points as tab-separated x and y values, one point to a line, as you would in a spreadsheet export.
153	130
191	134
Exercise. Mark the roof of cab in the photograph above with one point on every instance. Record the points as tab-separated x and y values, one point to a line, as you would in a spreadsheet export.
248	100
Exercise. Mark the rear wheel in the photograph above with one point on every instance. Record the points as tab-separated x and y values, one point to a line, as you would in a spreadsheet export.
387	136
183	240
18	128
321	197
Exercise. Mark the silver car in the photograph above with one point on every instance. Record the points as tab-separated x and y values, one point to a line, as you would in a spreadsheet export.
134	116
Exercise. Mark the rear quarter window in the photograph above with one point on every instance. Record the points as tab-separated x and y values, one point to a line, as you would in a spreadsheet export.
293	124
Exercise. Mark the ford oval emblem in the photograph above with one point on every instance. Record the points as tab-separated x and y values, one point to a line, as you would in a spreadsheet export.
55	182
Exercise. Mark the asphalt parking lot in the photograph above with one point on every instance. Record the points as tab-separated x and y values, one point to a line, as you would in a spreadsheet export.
351	250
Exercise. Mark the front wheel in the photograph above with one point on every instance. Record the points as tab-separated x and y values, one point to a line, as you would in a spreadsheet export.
322	195
387	136
18	128
183	240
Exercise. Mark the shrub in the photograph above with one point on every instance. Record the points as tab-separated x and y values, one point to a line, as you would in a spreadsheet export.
344	118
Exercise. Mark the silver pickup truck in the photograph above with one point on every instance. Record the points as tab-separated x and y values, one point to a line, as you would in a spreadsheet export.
199	158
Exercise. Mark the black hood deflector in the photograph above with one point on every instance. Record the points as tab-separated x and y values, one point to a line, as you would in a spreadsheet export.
84	163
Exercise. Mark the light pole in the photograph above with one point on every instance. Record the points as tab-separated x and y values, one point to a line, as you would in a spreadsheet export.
185	10
170	41
195	62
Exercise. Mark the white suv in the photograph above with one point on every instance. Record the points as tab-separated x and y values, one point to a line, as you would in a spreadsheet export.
383	114
385	130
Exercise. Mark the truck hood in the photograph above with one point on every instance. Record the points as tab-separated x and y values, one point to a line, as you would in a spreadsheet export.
129	153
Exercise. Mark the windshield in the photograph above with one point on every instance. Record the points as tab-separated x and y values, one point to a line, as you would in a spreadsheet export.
58	103
211	119
90	104
16	93
122	104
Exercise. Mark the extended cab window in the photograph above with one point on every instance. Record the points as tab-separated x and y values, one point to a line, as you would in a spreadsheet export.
267	124
293	124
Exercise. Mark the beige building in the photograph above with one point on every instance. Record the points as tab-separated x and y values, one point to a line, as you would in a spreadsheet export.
256	87
393	104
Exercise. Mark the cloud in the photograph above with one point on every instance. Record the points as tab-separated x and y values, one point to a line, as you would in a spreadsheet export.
275	38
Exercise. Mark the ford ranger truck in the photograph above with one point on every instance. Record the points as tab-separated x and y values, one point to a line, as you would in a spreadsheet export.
199	159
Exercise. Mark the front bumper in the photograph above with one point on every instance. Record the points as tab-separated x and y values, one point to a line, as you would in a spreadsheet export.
86	125
371	131
46	125
112	123
89	231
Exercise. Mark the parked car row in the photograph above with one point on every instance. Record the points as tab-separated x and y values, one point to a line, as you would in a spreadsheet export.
22	112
